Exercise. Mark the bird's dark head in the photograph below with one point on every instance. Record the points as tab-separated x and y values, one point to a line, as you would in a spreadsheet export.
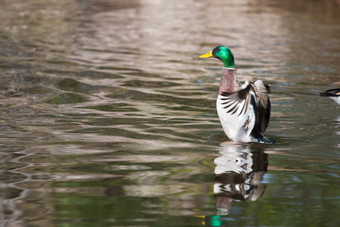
224	54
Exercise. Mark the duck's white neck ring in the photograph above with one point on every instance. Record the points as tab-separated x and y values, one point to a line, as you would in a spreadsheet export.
233	69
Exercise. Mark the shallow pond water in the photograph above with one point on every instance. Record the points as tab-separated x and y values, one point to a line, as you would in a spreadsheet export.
107	115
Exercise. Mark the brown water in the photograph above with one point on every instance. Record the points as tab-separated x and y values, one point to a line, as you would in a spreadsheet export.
107	115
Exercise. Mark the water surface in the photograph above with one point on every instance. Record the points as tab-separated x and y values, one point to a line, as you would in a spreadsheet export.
107	115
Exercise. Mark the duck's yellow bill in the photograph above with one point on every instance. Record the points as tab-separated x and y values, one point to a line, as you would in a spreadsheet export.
207	55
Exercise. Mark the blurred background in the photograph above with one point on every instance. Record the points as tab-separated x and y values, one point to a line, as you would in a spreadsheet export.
108	118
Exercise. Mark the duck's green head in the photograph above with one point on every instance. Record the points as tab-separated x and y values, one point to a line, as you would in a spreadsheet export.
224	54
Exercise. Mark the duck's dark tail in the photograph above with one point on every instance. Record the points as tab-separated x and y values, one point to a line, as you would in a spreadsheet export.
260	138
266	140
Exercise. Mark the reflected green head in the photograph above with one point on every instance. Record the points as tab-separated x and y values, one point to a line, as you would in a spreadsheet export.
224	54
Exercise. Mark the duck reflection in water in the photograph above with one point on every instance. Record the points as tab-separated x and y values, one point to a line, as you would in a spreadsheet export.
239	172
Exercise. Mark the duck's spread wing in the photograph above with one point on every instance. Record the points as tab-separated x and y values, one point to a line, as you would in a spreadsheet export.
241	105
263	105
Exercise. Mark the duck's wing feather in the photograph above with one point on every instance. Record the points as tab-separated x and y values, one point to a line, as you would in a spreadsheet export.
241	106
251	104
263	105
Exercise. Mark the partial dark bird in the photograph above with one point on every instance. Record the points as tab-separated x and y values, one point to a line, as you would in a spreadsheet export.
333	94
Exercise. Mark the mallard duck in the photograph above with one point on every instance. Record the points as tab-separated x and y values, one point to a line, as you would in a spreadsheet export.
333	94
244	110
